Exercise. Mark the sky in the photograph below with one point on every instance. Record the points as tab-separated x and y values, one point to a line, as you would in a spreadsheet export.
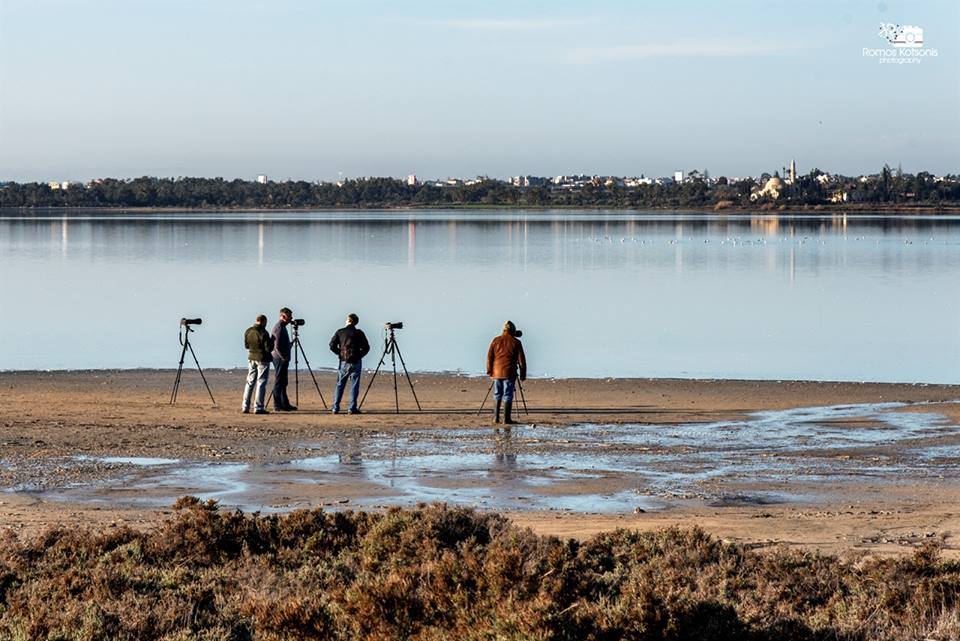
317	90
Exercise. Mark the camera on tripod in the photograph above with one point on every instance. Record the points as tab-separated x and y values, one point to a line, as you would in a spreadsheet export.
391	347
184	336
296	350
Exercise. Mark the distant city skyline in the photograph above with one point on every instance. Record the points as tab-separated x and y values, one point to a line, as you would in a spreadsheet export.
523	179
307	90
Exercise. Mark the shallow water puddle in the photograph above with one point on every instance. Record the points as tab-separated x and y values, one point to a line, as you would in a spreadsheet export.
144	461
778	456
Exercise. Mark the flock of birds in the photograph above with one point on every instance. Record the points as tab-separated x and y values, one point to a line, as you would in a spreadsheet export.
738	240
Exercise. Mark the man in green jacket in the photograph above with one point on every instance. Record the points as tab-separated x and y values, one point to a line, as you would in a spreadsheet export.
259	344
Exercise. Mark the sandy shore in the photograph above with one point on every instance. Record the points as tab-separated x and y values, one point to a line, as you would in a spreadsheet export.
58	431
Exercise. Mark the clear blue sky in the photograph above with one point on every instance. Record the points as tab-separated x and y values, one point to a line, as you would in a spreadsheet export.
307	89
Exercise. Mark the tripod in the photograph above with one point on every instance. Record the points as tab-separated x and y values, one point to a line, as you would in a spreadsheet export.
522	398
390	347
297	348
185	341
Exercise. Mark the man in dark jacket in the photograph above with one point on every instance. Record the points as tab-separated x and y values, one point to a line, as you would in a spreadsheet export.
350	345
281	361
504	358
259	344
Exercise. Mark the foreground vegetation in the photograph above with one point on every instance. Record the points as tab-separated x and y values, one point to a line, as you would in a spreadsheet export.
445	573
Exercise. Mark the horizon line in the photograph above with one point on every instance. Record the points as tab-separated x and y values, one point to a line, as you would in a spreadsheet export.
712	176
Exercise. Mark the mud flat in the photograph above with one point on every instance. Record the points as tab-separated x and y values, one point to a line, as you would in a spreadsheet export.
832	466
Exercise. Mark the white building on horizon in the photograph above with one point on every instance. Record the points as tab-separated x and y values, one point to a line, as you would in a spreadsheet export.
262	179
678	176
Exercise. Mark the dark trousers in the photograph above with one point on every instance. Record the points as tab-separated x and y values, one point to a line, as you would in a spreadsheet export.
280	399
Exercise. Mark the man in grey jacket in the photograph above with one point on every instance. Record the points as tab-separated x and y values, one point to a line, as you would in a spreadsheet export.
259	344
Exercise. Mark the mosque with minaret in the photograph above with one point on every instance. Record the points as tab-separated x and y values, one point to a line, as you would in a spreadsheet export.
774	187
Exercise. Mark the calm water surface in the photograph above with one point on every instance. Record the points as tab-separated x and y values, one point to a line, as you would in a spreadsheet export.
597	294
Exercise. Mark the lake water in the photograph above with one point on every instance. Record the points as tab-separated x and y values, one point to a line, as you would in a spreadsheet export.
597	294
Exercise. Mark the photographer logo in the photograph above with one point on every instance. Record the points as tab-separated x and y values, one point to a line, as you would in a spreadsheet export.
901	35
906	45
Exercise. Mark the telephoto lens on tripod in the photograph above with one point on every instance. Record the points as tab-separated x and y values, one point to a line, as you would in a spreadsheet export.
296	348
390	347
184	336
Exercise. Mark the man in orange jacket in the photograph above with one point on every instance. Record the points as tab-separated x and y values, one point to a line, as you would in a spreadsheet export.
504	358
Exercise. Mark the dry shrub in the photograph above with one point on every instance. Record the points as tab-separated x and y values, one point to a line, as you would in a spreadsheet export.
450	573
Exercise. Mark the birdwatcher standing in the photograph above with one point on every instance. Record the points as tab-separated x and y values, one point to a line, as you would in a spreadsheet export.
504	358
259	346
350	345
281	361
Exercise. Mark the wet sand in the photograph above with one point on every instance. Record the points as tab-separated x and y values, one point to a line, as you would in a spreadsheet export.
874	471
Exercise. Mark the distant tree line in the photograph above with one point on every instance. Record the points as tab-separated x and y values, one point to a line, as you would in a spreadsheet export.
696	191
889	186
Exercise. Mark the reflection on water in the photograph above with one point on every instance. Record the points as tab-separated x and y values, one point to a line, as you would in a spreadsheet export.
597	294
350	451
770	457
505	451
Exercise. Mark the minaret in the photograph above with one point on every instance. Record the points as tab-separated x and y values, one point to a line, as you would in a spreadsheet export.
793	171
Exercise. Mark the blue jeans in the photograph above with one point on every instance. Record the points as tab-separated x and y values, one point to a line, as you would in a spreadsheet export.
503	389
351	371
257	374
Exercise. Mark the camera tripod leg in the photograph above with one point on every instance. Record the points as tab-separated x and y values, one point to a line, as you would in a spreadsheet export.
310	369
176	383
273	390
372	378
489	389
296	372
407	374
523	398
393	361
199	369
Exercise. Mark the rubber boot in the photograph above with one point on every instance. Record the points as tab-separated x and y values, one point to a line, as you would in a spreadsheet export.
496	416
507	406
